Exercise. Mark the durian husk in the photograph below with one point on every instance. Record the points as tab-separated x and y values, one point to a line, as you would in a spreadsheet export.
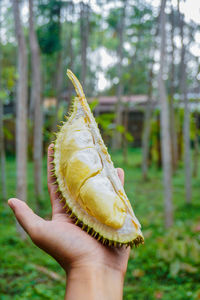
130	233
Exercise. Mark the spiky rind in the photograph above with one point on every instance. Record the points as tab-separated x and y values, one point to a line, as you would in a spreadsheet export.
88	229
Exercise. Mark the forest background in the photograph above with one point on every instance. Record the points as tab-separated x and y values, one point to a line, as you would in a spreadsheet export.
122	52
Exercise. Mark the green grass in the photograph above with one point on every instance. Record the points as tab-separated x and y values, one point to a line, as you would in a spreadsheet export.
166	267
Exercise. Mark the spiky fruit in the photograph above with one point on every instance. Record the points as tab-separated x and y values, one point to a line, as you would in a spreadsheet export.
87	180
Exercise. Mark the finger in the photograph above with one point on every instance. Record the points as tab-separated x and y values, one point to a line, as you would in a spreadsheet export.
31	223
57	207
120	173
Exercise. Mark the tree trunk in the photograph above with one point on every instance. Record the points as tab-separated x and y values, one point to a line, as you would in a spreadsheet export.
71	54
196	147
36	95
158	143
58	87
2	146
2	154
173	132
165	133
21	114
117	137
147	129
84	30
125	142
186	122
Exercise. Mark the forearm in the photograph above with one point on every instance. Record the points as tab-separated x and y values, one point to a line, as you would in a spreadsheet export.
94	284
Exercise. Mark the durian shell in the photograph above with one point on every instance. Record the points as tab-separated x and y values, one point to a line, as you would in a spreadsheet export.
130	232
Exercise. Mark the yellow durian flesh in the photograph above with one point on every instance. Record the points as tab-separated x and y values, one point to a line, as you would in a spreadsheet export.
81	166
98	195
87	180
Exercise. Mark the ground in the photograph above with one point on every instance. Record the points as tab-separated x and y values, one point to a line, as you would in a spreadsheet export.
165	267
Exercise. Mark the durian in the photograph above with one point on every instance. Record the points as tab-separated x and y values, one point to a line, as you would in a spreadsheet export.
87	181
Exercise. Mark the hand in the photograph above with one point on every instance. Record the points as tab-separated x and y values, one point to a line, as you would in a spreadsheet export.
79	254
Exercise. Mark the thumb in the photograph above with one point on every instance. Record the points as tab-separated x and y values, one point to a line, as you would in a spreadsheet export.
26	217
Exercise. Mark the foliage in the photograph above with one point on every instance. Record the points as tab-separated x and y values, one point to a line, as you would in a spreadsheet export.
165	267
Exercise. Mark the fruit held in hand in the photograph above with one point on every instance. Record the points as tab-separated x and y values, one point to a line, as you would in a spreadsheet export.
87	181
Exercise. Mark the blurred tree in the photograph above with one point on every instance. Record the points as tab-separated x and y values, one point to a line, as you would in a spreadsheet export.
70	44
186	124
36	95
196	144
173	131
165	133
2	147
120	28
21	117
147	128
84	36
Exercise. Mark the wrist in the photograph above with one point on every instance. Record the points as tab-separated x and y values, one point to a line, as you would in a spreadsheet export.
95	283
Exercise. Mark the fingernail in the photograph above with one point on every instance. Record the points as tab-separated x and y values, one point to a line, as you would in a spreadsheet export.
10	203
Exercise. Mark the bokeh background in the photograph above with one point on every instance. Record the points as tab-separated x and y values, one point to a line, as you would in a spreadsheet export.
139	63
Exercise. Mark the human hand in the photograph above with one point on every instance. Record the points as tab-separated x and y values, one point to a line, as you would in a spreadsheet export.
82	257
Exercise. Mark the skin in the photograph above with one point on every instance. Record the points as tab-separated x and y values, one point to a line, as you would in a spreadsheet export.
93	271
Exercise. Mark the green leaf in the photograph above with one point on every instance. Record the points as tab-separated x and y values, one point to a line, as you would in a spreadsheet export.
93	104
129	137
174	268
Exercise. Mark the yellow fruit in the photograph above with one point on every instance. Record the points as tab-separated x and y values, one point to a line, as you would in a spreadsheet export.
87	180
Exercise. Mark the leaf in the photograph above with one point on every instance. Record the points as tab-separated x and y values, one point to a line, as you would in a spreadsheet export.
93	104
120	128
129	137
138	273
189	268
181	248
174	268
3	95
